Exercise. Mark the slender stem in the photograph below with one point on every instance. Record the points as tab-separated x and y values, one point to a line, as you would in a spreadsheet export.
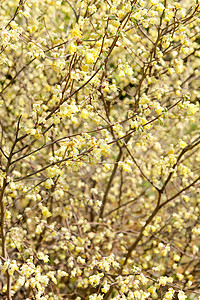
3	211
110	184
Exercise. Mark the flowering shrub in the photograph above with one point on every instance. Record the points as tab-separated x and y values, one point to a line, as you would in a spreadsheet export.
99	149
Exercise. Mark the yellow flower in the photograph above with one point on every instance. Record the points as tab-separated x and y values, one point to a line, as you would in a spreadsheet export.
152	289
182	143
13	25
160	7
75	32
180	276
171	149
84	114
46	212
125	166
72	47
181	295
91	56
95	279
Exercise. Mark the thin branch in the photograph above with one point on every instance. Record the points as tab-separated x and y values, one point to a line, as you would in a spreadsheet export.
3	153
180	192
127	203
53	164
141	171
76	15
109	184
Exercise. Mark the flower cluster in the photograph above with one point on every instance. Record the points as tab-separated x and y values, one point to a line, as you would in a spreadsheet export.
99	149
